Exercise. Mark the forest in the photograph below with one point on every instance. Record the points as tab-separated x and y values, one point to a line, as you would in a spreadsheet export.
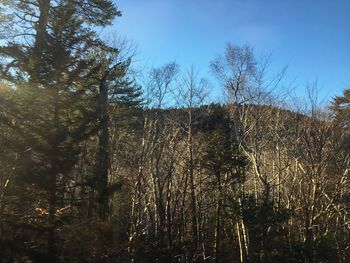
99	166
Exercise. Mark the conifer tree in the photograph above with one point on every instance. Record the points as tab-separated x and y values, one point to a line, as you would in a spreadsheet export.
341	109
52	105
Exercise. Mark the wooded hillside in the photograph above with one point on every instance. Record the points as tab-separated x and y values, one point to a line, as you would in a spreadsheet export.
98	167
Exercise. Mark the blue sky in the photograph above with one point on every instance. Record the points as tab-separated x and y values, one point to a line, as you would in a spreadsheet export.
312	37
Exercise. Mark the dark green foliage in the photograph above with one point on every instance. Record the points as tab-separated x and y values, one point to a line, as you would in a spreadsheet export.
266	223
49	110
341	109
221	152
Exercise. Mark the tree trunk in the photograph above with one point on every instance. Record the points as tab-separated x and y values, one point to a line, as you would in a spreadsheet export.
40	41
52	185
193	204
103	152
218	222
51	251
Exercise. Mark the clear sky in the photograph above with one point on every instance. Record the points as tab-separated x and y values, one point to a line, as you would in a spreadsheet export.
312	37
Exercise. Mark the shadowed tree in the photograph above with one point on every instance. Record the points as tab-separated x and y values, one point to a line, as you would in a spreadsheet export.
47	59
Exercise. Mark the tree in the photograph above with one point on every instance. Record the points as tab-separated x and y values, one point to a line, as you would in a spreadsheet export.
47	60
160	84
341	109
117	95
223	159
191	95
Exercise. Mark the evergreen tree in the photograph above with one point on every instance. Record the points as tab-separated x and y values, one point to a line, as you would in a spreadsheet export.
223	159
341	109
52	105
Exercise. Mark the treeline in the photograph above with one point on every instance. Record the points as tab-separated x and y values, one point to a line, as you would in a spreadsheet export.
94	170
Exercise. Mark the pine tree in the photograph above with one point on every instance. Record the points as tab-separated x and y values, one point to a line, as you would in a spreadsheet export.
52	106
341	109
223	159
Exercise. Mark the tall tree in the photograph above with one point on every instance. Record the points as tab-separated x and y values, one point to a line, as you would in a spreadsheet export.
47	60
224	160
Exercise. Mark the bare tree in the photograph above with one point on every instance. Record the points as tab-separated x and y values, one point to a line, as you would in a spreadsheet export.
191	94
160	84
